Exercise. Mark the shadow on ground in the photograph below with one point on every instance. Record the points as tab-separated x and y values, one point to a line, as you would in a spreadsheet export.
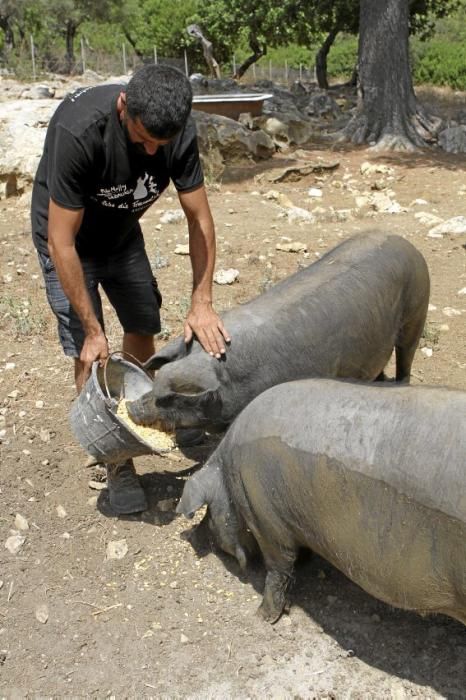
429	651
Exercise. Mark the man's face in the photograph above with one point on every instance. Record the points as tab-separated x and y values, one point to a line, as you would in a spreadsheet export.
137	135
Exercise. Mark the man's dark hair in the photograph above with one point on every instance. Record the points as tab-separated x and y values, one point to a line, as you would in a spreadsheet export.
161	96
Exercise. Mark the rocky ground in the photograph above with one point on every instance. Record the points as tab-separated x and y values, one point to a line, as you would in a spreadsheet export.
161	613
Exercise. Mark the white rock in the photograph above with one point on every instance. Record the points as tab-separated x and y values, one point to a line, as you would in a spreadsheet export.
293	247
226	276
428	219
117	549
182	249
13	394
418	202
299	214
20	522
184	639
449	311
314	192
427	352
172	216
462	292
362	201
61	512
454	227
97	485
433	234
381	202
431	307
14	543
272	195
373	168
10	365
42	613
39	404
285	201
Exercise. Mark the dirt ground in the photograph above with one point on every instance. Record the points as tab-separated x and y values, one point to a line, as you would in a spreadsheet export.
173	617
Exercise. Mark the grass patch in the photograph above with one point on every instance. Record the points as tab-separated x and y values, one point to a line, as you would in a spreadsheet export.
20	317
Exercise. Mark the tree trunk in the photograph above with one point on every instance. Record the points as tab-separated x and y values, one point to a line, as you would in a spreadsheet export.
132	43
9	37
207	49
257	52
388	114
70	34
321	59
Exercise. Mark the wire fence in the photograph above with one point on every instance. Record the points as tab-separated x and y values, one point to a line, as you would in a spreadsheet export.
34	65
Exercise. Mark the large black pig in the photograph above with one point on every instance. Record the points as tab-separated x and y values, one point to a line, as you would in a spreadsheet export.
370	476
340	317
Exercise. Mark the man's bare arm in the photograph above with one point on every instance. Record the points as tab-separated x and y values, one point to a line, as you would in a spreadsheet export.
202	319
63	227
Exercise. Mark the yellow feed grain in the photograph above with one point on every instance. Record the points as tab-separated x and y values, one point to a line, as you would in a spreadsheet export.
156	439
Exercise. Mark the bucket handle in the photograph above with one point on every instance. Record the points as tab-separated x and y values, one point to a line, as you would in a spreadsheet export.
135	360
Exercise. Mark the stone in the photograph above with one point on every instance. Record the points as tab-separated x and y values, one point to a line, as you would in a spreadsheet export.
293	247
14	543
453	139
450	312
116	549
428	219
299	214
172	216
182	249
21	523
42	613
453	227
226	276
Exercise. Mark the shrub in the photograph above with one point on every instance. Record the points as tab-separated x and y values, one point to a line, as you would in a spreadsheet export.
439	63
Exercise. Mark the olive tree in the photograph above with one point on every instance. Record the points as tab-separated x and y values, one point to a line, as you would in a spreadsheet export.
389	115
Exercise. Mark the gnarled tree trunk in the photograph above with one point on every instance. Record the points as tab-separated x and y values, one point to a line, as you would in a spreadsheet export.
257	52
388	114
71	28
321	59
207	49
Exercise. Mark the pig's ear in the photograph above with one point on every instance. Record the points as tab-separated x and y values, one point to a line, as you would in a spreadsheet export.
193	498
199	489
174	350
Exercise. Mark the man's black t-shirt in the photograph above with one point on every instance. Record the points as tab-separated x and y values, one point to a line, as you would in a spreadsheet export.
88	162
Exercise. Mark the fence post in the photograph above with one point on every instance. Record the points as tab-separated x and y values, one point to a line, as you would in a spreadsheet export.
155	55
300	71
186	63
234	64
286	71
254	70
125	70
83	55
270	69
33	58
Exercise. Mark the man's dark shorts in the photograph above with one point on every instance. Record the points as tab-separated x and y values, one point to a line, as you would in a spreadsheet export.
127	279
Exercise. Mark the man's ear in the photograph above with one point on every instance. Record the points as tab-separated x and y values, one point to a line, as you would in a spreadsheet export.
121	104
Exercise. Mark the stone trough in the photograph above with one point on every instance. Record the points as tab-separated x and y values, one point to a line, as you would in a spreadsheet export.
231	104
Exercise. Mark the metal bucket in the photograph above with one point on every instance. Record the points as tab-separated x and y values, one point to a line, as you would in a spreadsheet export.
93	417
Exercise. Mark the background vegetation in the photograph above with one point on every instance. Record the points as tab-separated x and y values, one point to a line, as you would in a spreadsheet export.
114	35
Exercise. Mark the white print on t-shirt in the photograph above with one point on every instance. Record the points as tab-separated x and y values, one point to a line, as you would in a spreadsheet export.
145	192
144	185
79	92
113	192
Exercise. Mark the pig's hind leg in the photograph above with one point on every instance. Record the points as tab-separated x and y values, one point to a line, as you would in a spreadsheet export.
277	580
